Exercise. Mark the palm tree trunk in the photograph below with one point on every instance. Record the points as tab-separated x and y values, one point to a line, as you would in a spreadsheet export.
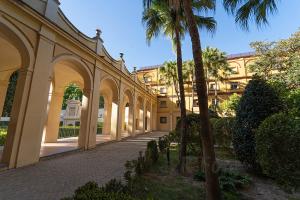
216	95
193	92
182	153
211	170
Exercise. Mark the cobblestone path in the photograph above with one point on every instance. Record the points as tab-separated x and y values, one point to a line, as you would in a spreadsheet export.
58	177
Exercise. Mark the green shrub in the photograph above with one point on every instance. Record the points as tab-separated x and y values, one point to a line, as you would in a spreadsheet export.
199	176
292	99
278	149
222	131
91	191
163	143
151	153
68	131
230	183
193	133
257	103
140	166
114	186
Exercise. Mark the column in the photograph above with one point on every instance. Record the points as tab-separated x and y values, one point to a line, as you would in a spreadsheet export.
52	125
120	112
29	110
133	124
151	116
144	116
85	119
94	110
107	116
10	151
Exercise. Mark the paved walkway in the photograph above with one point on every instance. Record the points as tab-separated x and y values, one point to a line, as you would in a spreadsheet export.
58	177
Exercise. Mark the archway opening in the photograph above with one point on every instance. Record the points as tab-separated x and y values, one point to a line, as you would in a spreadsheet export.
127	114
13	58
109	93
139	119
66	104
148	124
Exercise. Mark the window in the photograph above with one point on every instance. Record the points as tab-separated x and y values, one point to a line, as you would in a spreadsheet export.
195	103
148	79
212	86
163	90
72	112
215	102
235	70
163	120
234	85
163	104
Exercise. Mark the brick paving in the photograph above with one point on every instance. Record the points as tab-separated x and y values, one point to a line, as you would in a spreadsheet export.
58	177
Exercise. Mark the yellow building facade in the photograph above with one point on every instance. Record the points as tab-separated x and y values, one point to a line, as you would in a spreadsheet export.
168	110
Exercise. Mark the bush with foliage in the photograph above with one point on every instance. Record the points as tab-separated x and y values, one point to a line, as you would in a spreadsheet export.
228	107
257	103
222	131
91	190
230	183
193	133
292	99
163	143
277	147
151	153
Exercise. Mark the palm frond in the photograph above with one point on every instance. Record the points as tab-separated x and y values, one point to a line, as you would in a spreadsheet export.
206	23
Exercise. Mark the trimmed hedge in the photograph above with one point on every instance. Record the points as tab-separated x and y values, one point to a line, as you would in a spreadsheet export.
258	102
278	147
68	131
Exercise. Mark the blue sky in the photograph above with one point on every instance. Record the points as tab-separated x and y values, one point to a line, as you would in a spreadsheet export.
123	31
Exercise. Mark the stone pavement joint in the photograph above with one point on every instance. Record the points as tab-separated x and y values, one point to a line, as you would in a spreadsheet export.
59	177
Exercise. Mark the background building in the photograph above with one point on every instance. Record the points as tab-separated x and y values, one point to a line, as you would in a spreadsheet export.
168	110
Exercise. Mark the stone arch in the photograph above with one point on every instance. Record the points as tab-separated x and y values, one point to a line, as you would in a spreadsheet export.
11	33
139	114
18	55
66	69
127	107
109	89
77	65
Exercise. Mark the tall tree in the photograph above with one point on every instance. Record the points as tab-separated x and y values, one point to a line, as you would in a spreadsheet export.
212	182
160	16
216	67
246	11
190	73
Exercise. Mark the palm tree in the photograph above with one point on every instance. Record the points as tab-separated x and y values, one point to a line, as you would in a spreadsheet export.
247	10
212	181
169	72
190	68
216	67
160	16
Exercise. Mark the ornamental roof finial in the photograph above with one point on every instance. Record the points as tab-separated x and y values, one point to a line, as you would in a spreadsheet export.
98	33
